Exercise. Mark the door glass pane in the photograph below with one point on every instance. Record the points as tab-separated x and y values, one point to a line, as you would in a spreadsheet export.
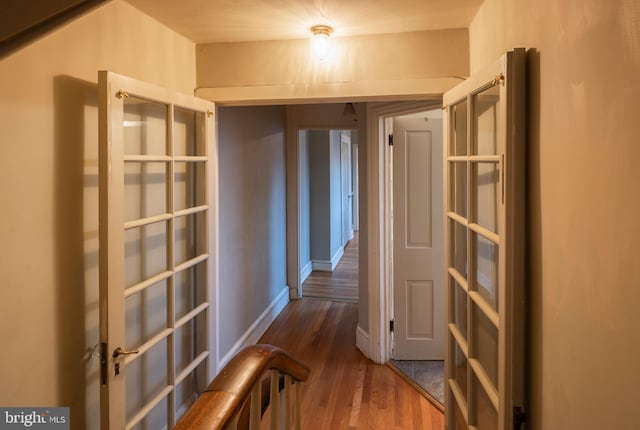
145	251
461	424
460	370
189	237
187	391
485	121
486	270
145	314
145	378
486	176
460	308
156	419
145	127
459	248
189	342
486	341
184	132
188	132
458	199
189	288
458	141
145	186
189	187
486	414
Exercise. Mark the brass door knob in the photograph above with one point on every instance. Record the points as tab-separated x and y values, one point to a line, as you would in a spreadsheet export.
119	351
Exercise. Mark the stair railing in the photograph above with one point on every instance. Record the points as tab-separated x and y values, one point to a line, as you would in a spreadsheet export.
258	379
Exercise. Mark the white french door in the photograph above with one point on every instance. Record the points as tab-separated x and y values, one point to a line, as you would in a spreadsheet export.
155	263
484	136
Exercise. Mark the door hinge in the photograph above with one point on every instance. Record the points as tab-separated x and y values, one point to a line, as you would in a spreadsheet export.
104	362
519	417
391	140
391	326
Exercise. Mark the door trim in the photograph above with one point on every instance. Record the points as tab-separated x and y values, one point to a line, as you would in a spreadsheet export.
379	251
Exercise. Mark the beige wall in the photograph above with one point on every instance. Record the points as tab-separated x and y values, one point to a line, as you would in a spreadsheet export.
584	184
48	184
388	65
252	223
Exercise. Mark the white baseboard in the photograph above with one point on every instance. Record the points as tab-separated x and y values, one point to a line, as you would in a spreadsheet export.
306	271
336	257
328	266
362	342
257	329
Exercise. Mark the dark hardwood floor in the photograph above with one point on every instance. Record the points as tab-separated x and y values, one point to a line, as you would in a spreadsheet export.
342	283
345	390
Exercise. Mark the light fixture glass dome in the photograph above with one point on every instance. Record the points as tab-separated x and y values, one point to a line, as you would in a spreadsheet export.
320	40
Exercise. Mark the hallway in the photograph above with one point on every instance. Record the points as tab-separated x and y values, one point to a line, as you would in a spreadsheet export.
345	390
342	283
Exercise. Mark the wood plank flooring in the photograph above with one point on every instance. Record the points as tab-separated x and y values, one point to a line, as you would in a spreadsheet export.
345	390
342	283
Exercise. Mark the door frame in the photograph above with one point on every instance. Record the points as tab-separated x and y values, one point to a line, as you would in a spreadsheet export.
348	194
433	349
374	339
380	252
293	194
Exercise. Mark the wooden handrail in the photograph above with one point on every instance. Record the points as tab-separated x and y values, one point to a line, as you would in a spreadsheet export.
224	398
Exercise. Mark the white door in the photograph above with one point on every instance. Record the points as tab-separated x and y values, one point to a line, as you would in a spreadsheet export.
155	266
417	240
347	193
485	247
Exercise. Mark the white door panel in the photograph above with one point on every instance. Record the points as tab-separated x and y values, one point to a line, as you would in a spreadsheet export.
417	242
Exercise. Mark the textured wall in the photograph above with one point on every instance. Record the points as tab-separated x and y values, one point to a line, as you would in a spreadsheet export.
583	183
252	216
48	181
412	63
320	195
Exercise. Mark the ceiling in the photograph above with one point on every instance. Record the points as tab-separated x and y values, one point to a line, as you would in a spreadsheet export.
205	21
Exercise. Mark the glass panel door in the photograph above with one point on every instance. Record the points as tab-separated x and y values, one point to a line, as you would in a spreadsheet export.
485	240
154	261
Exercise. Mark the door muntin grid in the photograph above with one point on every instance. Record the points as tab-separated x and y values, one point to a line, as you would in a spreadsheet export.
181	244
473	258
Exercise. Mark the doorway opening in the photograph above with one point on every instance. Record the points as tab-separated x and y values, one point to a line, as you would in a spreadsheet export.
416	253
328	213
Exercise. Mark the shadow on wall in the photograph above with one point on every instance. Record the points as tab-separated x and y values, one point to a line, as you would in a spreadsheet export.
533	236
76	247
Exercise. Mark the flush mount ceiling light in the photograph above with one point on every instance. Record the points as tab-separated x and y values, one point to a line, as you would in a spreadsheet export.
320	40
